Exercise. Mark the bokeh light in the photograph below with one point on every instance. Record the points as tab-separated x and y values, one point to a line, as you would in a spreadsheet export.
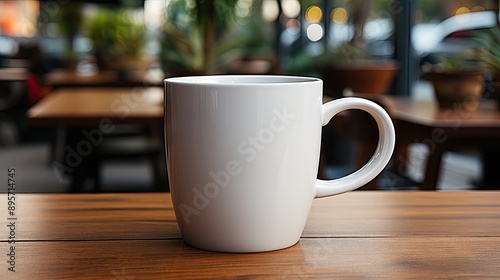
462	10
244	8
477	9
315	32
53	30
463	14
291	8
293	26
314	14
339	15
270	10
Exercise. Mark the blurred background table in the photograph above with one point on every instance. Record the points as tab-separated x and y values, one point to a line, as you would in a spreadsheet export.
443	130
107	78
73	107
422	121
94	124
381	235
13	74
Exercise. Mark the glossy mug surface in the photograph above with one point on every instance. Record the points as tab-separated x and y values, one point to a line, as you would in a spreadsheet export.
243	155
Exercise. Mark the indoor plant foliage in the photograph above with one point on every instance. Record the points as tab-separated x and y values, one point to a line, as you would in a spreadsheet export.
349	64
458	82
202	36
70	17
344	64
488	53
489	50
115	36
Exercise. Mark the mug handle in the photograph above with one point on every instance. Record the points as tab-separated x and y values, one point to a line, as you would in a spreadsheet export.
380	158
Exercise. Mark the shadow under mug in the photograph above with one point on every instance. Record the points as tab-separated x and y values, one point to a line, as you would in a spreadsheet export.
243	155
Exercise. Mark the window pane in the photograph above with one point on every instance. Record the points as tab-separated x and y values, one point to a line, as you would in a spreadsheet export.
18	18
446	29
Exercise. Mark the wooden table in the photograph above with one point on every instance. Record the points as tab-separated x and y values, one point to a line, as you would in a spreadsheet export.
359	235
90	106
82	115
13	88
13	74
443	130
108	78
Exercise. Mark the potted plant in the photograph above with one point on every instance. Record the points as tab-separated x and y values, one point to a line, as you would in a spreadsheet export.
117	40
458	82
69	18
201	37
349	64
488	52
351	67
347	67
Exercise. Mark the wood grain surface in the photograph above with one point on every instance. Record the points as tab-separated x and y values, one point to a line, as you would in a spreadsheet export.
359	235
89	106
64	78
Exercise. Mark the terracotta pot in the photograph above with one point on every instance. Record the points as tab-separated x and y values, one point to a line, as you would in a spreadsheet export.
459	90
360	76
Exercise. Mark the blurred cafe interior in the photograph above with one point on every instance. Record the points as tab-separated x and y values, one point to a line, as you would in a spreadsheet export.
81	83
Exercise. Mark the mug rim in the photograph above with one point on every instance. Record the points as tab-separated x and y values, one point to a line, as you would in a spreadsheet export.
241	80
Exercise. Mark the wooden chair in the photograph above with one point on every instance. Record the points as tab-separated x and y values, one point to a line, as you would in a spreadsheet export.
130	145
12	110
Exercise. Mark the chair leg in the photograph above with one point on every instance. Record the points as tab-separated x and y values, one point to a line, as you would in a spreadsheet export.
159	169
98	177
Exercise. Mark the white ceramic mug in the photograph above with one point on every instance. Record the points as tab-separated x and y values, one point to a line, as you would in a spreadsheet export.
243	154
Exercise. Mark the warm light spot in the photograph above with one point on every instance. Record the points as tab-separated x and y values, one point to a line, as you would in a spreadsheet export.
462	10
339	15
19	18
8	22
462	14
477	9
291	8
314	14
315	32
28	29
270	10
